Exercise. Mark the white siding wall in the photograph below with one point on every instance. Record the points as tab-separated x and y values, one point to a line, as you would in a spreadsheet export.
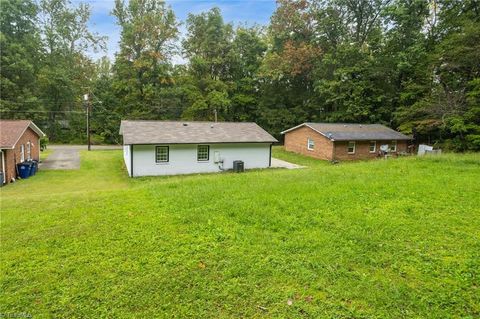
126	157
183	158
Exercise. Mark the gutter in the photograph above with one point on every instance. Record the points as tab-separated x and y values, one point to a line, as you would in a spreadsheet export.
204	142
131	160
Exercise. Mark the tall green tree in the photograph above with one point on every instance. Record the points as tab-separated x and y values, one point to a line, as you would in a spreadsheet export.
249	47
19	59
208	46
351	81
287	70
105	118
66	70
44	64
223	65
143	72
446	110
410	64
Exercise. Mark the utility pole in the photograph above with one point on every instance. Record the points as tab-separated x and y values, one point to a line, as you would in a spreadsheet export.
87	106
215	112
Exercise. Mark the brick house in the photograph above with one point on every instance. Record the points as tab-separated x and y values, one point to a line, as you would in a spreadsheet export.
19	142
333	141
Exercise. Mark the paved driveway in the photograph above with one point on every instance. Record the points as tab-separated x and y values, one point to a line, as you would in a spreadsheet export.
68	156
284	164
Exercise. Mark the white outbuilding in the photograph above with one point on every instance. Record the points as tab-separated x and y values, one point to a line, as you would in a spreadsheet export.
169	148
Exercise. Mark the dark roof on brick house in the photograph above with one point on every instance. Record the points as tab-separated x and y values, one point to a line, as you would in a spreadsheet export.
353	132
177	132
12	130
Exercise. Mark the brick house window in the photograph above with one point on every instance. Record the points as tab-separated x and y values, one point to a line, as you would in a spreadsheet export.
310	144
203	152
351	147
393	146
373	146
161	154
29	151
22	153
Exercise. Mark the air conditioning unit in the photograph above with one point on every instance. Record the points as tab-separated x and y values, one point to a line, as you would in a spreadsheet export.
238	166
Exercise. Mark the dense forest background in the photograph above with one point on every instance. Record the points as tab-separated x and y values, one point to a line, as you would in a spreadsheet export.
413	65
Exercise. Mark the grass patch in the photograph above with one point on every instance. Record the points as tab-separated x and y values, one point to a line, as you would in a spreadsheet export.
44	154
378	239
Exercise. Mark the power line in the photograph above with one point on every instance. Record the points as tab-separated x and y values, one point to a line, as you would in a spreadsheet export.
43	102
159	110
14	111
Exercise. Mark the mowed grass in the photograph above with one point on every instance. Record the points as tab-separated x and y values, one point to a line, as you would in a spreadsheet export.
44	154
380	239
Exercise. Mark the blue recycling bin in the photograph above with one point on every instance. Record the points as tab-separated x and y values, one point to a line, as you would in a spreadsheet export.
32	167
35	166
23	170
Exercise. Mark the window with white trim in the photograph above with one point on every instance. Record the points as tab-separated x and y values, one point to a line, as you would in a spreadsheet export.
29	151
351	147
372	147
203	153
310	144
22	153
393	146
161	154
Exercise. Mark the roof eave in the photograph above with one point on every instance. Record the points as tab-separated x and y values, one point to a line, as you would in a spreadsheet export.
372	139
199	142
306	124
34	128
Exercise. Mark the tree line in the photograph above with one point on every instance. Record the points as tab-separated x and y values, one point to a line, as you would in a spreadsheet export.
410	64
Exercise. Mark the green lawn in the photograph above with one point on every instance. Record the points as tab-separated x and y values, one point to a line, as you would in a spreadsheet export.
44	154
379	239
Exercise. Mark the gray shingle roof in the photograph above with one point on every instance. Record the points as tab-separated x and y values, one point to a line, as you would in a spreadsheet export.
347	132
176	132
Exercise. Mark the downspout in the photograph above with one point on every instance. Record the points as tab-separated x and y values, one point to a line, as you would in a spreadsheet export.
270	157
15	163
3	167
334	147
131	160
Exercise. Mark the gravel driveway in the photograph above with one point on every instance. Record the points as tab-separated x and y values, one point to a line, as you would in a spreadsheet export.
68	156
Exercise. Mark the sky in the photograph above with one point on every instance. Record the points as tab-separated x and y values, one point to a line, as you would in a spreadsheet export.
235	11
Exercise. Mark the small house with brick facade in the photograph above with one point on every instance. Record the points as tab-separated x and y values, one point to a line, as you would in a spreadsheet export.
339	142
19	142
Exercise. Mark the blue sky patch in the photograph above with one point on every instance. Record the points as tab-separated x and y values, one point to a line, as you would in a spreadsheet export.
238	12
